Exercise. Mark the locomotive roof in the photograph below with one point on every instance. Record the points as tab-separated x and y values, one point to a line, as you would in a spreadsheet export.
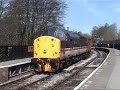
71	33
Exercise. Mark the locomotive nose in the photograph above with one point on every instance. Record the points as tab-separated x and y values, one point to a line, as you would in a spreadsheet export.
47	47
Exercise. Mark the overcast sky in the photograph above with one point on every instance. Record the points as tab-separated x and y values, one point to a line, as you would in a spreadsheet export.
82	15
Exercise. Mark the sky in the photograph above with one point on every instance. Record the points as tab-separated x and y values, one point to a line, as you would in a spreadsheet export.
82	15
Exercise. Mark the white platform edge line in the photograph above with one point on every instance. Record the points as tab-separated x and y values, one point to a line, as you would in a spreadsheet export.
15	64
86	79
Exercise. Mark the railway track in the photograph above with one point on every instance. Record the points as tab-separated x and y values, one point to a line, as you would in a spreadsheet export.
23	82
49	82
71	82
58	81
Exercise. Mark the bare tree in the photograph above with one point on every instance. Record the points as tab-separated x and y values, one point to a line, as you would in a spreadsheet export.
119	34
107	32
25	18
4	4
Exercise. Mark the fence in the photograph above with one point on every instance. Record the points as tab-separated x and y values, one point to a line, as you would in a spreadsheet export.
14	52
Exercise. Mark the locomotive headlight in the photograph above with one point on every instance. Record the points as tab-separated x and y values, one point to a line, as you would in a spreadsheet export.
35	53
38	40
44	51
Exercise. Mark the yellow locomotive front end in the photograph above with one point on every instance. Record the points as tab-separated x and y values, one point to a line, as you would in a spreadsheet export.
46	53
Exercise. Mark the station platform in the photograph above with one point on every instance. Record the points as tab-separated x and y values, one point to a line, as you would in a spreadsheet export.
106	76
14	62
9	69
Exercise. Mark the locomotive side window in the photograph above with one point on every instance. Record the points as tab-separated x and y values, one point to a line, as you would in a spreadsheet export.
59	34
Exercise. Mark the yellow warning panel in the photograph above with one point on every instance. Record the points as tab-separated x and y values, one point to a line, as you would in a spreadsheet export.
47	47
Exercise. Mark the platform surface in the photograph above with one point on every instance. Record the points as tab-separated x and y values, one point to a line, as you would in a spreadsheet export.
107	77
14	62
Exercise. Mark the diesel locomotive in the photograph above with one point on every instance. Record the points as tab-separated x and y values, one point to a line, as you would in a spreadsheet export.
51	52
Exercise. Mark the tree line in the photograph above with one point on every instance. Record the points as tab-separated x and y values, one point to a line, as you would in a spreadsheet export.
21	21
105	32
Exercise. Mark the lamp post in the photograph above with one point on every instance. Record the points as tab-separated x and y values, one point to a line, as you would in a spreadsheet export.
113	43
95	40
